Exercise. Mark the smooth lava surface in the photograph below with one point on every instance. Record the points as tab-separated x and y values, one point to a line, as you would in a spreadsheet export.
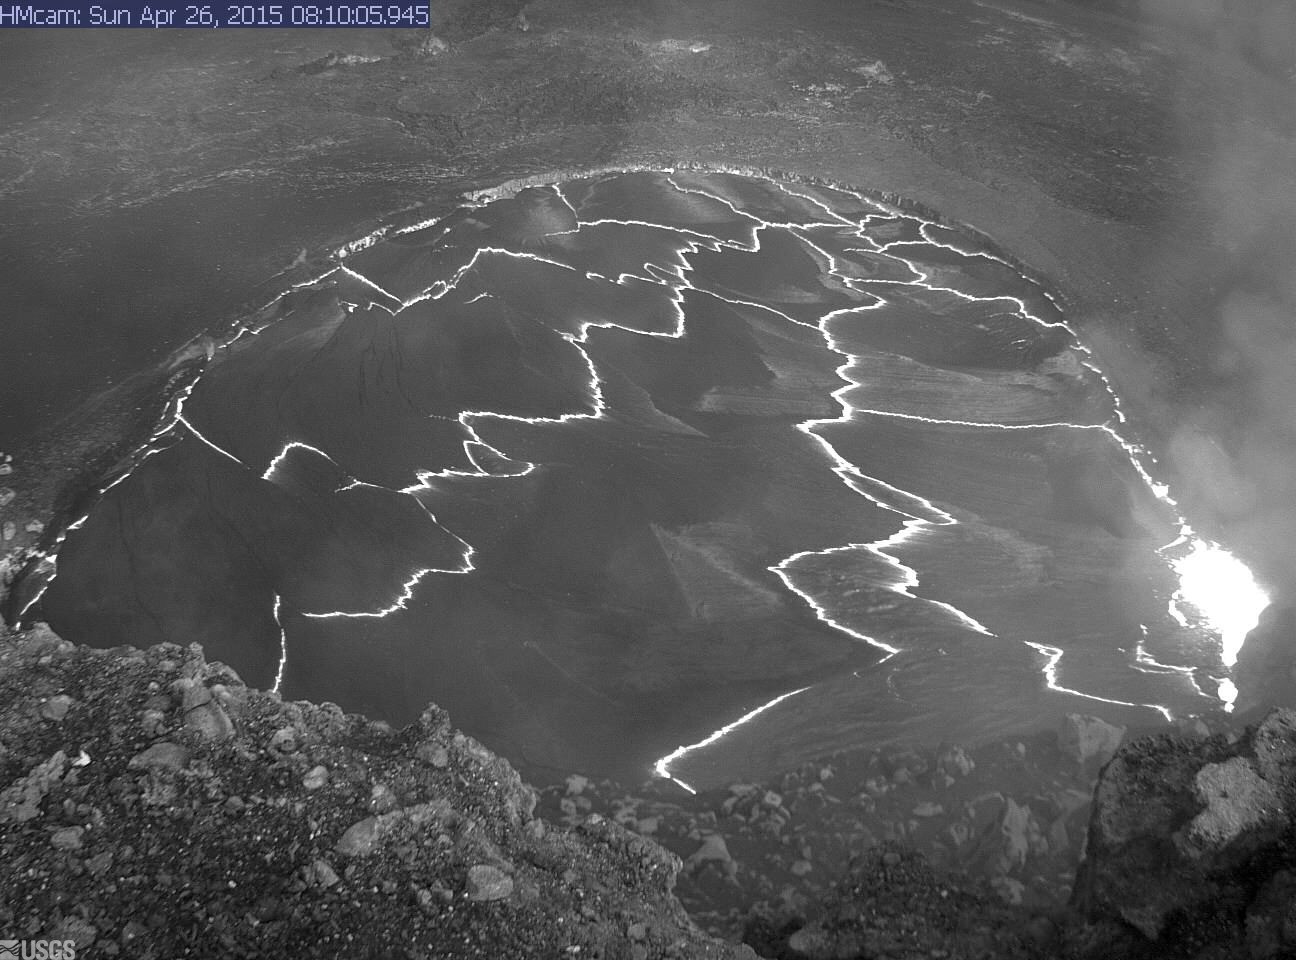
605	467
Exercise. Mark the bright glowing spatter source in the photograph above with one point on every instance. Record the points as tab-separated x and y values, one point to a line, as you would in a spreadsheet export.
1223	591
638	458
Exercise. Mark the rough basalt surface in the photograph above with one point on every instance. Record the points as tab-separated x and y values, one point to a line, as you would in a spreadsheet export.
151	805
893	904
1191	845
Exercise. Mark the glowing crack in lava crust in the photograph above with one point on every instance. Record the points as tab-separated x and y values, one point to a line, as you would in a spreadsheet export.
689	471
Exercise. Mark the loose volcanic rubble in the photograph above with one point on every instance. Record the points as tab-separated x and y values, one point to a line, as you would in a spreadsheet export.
1000	828
154	806
151	805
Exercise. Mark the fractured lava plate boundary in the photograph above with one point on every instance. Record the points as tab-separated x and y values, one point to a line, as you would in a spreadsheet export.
603	466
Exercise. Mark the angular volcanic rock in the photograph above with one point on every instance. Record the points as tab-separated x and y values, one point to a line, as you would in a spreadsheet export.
1191	841
151	840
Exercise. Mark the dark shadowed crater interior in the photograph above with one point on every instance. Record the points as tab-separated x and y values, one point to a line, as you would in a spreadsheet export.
603	466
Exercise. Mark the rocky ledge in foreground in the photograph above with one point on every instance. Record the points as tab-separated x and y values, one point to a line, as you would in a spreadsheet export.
1192	848
153	806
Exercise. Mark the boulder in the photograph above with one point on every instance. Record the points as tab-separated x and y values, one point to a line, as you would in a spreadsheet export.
954	761
320	873
1190	837
1014	837
1243	812
56	708
433	754
316	778
21	802
161	756
486	882
1085	739
1003	830
365	836
67	838
713	850
202	713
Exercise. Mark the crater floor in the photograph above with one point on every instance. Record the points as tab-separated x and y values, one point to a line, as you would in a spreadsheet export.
604	466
